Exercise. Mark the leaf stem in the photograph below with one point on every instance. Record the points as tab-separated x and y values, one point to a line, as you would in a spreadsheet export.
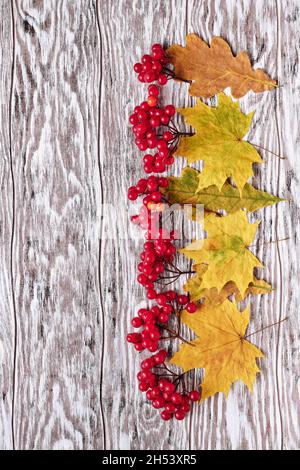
269	243
265	327
266	150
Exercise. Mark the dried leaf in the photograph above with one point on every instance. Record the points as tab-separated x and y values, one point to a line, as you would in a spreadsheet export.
220	348
212	69
218	141
225	252
183	190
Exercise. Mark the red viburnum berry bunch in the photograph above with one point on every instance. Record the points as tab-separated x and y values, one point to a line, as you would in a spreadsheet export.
153	128
151	67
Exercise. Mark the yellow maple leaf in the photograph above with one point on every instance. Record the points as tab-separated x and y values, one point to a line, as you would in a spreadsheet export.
218	141
225	252
183	190
221	348
212	69
193	286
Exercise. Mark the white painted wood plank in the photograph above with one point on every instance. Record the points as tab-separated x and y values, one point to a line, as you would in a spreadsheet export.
6	225
128	29
56	255
263	420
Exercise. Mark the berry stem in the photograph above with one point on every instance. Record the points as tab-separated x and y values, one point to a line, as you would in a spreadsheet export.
171	74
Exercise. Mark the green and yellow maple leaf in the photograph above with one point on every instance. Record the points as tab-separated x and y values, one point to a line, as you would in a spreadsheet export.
183	190
225	252
221	348
218	141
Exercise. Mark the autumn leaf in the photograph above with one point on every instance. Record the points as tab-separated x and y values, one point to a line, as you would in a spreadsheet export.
221	348
183	190
225	252
218	141
212	69
193	286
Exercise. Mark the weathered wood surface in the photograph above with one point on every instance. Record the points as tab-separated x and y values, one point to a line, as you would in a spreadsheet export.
66	293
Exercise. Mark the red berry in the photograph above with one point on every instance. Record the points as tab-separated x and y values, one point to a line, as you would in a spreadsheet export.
165	119
185	407
194	395
163	182
139	376
179	414
147	364
163	318
167	309
170	387
170	408
158	54
152	185
160	167
133	338
149	395
146	58
151	294
152	101
160	357
161	299
143	386
133	119
155	121
191	307
170	110
148	158
162	79
143	145
156	66
139	347
156	46
183	299
176	398
144	105
161	384
148	168
137	68
167	136
137	322
149	77
155	392
158	402
141	185
153	90
142	278
171	295
165	415
132	193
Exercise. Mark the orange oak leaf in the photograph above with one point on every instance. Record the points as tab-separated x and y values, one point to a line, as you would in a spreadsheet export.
213	68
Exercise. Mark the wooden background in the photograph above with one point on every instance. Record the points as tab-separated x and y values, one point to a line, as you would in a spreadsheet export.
66	293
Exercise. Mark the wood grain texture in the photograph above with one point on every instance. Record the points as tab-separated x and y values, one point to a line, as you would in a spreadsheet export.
68	379
7	325
56	246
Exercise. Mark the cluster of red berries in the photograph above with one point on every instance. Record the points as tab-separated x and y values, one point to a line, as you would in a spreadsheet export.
159	251
161	392
151	67
152	320
147	121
